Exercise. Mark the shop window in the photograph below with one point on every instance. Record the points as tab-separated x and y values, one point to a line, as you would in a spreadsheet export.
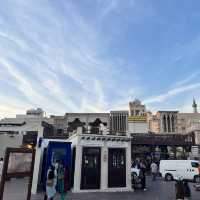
118	160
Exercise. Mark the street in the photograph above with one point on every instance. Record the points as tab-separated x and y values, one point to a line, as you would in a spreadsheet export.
158	190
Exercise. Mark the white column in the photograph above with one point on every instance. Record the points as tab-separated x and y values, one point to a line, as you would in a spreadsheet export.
78	167
127	125
104	167
128	167
37	166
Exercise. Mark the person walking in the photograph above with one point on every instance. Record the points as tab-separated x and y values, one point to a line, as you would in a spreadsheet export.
187	191
154	170
142	175
51	184
179	189
61	181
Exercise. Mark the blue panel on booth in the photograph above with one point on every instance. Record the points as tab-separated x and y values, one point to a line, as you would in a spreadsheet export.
58	151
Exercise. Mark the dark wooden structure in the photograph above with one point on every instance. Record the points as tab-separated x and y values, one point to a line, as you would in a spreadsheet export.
145	145
163	139
91	168
7	175
116	167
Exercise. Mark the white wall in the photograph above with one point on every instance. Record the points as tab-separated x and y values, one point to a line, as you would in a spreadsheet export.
7	141
104	145
137	127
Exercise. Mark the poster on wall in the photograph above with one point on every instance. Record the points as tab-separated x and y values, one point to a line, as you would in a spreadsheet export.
19	163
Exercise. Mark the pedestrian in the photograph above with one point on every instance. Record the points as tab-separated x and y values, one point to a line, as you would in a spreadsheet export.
154	170
142	175
51	184
61	181
1	166
179	189
187	191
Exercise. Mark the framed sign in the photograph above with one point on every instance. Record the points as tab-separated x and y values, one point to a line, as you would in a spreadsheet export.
18	162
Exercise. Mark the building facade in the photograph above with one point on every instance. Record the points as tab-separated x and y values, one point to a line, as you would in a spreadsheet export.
137	120
119	122
15	131
164	122
90	122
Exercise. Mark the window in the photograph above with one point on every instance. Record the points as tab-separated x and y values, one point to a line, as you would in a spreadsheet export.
118	160
137	112
195	164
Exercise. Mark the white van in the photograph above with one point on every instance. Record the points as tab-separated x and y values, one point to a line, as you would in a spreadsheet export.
186	169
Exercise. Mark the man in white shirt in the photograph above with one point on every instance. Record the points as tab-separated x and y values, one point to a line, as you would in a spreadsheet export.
154	170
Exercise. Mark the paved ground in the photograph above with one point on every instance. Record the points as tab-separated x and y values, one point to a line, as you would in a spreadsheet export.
159	190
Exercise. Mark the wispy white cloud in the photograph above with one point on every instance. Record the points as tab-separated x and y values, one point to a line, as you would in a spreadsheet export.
188	79
54	56
55	59
171	93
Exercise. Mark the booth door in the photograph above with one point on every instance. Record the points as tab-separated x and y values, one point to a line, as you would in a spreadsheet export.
116	167
91	166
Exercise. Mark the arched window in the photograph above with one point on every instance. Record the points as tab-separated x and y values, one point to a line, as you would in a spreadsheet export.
164	123
168	123
173	123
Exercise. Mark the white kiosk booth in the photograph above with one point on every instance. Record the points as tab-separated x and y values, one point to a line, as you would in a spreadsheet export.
100	163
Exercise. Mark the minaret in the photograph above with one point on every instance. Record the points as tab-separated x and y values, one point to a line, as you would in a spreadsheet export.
194	106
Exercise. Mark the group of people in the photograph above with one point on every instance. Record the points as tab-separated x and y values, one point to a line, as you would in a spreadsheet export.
140	165
57	181
182	189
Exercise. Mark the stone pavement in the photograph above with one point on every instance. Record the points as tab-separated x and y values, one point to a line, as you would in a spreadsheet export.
158	190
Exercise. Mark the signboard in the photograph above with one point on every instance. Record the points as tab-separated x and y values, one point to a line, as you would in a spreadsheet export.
18	162
195	151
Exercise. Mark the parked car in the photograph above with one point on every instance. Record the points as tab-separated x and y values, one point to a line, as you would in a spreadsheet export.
186	169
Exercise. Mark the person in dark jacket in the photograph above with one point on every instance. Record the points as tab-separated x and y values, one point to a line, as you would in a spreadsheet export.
179	187
187	191
142	175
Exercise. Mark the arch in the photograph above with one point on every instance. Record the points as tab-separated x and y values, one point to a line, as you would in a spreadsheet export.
164	123
168	123
173	123
75	124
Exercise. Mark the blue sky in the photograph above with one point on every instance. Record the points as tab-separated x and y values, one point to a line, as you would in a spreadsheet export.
97	55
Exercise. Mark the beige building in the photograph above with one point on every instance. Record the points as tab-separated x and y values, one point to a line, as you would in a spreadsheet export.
90	122
163	122
13	130
136	108
187	121
137	120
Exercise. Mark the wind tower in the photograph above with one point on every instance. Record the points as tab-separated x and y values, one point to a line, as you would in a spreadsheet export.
194	106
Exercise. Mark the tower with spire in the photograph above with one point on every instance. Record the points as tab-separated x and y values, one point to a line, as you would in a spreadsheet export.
194	106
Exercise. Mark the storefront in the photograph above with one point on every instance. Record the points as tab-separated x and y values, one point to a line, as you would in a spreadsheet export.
161	146
100	163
